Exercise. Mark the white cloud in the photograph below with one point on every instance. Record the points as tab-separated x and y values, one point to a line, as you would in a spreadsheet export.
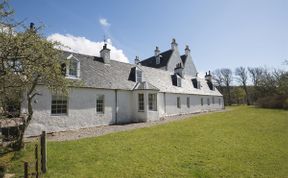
84	46
103	22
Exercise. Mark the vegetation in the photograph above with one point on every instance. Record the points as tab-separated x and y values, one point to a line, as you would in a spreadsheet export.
27	59
243	142
267	86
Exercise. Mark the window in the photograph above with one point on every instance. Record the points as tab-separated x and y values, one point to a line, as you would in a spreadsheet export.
213	100
152	98
188	102
73	66
178	81
208	101
100	104
178	102
138	75
59	104
196	83
140	102
202	102
219	101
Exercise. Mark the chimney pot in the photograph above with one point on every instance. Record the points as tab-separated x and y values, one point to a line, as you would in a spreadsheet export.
187	50
174	44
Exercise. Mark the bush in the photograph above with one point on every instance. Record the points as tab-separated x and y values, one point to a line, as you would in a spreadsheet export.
276	102
285	104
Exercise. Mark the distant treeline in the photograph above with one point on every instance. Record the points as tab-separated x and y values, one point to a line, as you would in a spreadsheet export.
254	85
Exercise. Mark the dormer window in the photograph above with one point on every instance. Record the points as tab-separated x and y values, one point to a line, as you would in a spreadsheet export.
179	84
196	83
176	80
73	67
138	76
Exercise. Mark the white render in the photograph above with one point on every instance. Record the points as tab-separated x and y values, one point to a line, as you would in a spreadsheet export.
112	80
82	109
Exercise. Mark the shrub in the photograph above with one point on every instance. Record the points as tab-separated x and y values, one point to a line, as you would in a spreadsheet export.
276	102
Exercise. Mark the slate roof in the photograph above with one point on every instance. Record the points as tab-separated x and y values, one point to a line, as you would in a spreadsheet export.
144	86
117	75
151	62
183	58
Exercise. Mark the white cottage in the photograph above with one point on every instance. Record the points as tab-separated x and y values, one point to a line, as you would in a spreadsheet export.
116	93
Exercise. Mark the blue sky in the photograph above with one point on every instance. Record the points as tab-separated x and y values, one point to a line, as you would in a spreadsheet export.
222	33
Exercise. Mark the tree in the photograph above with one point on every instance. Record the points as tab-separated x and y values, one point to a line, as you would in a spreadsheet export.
242	78
255	74
227	77
27	59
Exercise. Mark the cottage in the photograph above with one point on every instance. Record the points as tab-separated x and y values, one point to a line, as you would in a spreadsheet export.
113	92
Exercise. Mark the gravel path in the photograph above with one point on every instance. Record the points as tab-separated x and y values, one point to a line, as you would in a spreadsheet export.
102	130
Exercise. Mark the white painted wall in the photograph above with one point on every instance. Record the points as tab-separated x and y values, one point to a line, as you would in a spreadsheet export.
82	109
195	104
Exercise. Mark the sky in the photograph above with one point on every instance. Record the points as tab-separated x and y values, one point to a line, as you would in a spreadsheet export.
220	34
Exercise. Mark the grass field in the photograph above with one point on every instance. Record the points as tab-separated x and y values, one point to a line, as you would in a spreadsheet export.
243	142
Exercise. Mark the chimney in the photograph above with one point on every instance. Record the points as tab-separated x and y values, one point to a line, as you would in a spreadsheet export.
105	54
32	27
208	76
174	44
187	50
137	60
156	51
179	70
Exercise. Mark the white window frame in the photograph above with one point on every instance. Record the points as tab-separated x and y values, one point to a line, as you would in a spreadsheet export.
179	82
141	103
70	58
138	78
59	102
99	98
152	101
202	101
178	102
208	101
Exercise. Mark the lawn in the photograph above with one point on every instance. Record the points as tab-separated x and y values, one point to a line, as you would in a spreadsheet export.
243	142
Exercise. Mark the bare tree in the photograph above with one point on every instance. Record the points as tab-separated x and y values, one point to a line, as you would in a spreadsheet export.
242	79
255	74
218	79
227	79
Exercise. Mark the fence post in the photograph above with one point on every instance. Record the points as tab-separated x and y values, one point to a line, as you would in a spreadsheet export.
43	152
25	169
36	161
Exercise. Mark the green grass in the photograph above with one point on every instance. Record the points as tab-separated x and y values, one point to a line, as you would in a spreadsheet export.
243	142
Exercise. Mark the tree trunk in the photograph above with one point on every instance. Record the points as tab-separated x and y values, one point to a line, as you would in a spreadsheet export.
247	95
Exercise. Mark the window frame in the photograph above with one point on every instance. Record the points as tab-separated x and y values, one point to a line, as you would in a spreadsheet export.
137	76
152	105
57	105
103	104
140	102
179	82
208	101
202	101
68	68
178	102
188	102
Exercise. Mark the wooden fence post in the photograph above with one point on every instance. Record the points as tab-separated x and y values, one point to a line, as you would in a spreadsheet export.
36	161
25	169
43	152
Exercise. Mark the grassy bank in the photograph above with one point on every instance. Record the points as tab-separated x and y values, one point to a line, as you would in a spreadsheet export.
243	142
